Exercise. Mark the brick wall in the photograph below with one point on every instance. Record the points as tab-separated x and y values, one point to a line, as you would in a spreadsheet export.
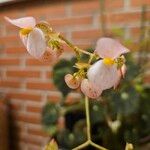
27	82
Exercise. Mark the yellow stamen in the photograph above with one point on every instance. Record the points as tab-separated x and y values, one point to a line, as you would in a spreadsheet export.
108	61
25	31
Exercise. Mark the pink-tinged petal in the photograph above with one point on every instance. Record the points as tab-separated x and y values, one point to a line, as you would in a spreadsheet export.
36	44
49	56
102	75
90	90
24	39
109	48
116	84
123	70
72	82
25	22
121	74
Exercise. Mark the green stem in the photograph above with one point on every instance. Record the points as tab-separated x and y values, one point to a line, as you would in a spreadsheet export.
88	142
82	145
97	146
88	118
75	48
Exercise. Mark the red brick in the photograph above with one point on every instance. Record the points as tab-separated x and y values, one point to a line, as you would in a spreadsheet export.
139	2
9	84
37	132
40	85
88	34
35	62
113	4
80	21
49	74
54	98
34	109
16	50
9	39
47	10
9	61
28	118
30	140
24	96
80	7
15	106
23	73
123	17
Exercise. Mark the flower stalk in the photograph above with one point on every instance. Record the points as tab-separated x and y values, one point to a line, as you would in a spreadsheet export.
75	48
89	140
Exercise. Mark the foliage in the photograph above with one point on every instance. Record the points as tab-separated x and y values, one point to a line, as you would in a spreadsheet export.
129	104
59	71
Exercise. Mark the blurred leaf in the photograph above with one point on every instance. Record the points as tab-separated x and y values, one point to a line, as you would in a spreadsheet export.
62	68
50	114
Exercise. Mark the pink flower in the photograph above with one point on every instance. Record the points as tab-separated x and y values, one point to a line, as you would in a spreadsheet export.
72	82
33	38
104	74
90	89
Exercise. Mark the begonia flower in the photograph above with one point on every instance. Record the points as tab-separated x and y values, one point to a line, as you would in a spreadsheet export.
90	89
104	74
31	36
72	82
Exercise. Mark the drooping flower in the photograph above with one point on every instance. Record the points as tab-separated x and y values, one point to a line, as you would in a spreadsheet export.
90	89
107	72
72	81
33	38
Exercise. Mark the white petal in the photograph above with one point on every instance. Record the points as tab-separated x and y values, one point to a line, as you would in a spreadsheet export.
109	48
25	22
36	44
24	40
103	76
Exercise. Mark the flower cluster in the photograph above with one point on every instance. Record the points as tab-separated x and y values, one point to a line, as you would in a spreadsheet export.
92	77
103	74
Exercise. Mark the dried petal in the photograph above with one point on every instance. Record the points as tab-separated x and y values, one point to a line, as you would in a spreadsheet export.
90	89
49	56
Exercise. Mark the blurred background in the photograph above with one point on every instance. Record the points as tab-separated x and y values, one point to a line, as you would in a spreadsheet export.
35	103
